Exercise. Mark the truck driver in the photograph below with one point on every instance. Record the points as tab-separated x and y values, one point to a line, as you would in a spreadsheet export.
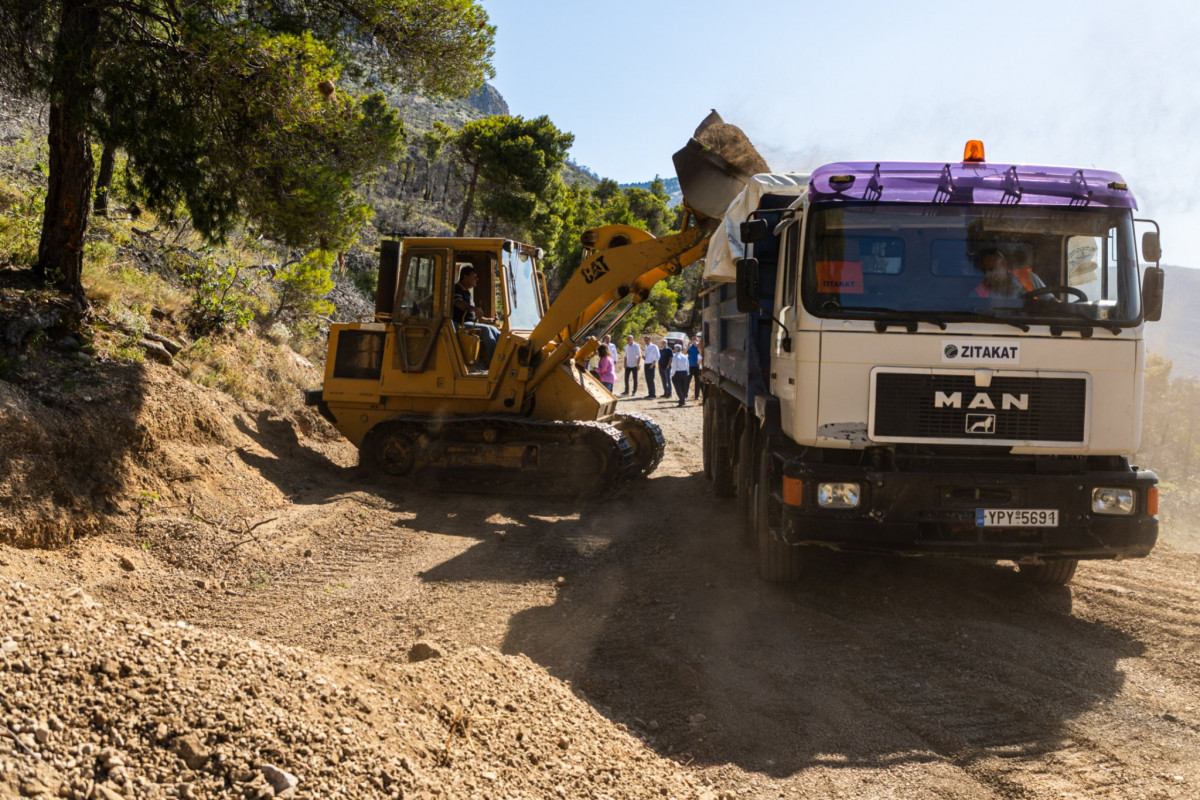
999	280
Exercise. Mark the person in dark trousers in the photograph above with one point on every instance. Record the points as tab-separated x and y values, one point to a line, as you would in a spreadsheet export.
650	357
693	356
633	363
679	373
664	367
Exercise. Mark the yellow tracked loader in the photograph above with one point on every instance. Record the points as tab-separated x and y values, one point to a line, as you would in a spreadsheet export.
419	395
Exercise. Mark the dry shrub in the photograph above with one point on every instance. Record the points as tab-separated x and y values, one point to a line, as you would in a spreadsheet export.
249	367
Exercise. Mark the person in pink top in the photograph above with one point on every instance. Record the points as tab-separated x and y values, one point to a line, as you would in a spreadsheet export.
605	369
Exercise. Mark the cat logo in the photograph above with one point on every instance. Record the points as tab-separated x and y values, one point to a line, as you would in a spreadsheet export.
592	272
981	423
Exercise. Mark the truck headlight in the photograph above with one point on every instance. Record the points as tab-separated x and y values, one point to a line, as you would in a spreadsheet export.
838	495
1110	500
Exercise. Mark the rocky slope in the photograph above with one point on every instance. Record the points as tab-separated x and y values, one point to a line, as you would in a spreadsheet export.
100	704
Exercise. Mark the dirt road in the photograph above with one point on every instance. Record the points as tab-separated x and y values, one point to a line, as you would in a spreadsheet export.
875	678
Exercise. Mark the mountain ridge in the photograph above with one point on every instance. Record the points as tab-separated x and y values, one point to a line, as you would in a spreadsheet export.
1177	335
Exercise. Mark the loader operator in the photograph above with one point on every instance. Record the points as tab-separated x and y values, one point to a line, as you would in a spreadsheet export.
467	314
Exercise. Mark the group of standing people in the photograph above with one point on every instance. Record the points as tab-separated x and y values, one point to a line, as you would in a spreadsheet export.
673	366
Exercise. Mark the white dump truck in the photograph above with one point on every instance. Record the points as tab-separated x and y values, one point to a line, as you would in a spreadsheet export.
929	359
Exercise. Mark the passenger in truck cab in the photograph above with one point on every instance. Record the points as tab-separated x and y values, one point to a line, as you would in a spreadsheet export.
1001	281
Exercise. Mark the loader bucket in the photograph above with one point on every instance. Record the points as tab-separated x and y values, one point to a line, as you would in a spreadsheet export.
714	166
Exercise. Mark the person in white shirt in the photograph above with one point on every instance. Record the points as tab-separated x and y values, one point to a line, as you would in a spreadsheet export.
633	360
679	373
651	361
664	368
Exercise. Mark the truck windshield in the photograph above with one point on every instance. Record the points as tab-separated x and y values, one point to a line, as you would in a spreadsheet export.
1061	265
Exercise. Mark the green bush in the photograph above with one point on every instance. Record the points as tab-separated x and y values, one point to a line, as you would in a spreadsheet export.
221	297
21	225
301	287
366	282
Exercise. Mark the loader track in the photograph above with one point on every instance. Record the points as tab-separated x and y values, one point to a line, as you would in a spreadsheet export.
502	454
646	436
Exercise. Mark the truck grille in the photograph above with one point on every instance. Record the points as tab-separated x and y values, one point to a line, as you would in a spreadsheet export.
949	406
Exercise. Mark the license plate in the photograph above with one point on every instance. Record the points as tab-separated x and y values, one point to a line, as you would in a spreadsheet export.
1016	517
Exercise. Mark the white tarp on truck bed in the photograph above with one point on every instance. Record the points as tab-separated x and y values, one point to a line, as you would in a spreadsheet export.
725	247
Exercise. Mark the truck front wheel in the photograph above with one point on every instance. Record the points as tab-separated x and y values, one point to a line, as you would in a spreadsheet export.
778	562
1058	573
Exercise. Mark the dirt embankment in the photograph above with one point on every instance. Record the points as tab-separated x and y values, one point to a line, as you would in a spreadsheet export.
639	654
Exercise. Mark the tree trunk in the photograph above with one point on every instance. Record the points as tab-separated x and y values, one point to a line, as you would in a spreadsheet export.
469	203
104	180
69	189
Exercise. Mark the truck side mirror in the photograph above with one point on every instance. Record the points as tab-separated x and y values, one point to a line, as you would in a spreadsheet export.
1152	292
755	230
747	285
1151	249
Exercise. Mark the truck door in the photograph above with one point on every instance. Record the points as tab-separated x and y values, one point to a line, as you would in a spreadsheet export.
783	363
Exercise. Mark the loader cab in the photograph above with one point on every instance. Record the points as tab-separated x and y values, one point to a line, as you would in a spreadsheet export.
417	283
411	357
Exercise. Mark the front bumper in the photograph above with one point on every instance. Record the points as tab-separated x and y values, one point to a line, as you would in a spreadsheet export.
934	513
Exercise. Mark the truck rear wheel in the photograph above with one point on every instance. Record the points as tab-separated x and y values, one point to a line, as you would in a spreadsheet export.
747	460
778	562
706	436
720	455
1057	573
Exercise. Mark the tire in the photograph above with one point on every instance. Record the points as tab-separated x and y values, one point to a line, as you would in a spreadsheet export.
1056	573
744	479
721	452
777	562
706	437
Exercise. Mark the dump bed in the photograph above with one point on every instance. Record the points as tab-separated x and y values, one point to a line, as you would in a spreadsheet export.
737	345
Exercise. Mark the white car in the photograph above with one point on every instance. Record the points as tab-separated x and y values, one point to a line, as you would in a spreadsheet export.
676	337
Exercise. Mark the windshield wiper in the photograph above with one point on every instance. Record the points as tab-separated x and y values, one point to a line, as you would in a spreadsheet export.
1085	323
908	319
978	315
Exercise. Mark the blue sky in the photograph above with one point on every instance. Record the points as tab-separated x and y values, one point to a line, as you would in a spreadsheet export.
1106	84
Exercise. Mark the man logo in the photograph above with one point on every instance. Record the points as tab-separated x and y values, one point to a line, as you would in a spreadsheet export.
951	351
981	423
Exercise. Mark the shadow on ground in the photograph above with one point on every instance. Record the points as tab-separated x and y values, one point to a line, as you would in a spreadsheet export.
868	662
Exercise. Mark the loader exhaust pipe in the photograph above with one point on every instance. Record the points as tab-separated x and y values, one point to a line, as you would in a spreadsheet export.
389	275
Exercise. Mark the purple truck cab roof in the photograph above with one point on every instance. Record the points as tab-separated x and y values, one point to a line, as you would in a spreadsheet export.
969	183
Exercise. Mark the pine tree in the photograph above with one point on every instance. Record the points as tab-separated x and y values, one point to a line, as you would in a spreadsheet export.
228	108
